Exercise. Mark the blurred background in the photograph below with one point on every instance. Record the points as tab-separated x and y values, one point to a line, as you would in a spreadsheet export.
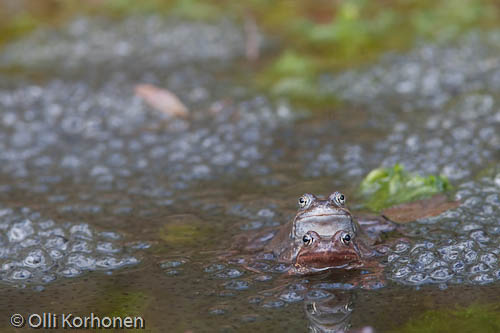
140	138
307	37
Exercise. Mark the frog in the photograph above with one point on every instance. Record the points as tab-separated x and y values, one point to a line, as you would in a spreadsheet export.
320	254
323	235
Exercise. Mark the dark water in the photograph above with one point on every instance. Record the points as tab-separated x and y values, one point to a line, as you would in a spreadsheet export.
109	207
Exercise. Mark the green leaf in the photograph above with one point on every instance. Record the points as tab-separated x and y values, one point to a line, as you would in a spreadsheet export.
385	187
290	63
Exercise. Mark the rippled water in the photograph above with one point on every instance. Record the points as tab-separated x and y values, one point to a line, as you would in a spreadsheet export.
109	206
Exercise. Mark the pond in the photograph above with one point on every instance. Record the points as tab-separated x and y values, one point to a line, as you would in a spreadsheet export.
113	208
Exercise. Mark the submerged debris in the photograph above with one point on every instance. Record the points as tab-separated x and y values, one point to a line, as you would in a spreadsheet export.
412	211
162	100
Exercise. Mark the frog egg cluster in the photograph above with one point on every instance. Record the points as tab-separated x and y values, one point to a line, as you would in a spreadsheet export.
35	250
236	280
89	124
113	136
86	129
426	78
332	159
83	144
459	246
455	142
136	41
255	218
438	106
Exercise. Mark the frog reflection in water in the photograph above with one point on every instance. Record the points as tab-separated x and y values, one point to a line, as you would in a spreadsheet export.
331	313
322	236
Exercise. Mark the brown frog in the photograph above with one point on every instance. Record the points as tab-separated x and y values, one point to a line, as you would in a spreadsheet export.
319	254
322	236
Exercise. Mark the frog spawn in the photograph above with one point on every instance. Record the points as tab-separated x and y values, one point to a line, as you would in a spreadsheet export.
458	246
236	279
106	123
438	107
113	134
148	40
327	302
35	250
112	142
429	74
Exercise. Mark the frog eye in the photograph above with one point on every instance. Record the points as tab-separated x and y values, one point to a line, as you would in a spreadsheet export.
346	238
338	198
305	201
308	239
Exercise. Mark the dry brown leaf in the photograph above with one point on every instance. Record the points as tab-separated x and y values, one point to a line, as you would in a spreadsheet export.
162	100
412	211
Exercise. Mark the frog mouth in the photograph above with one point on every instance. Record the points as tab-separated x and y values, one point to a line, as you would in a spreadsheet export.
322	218
324	213
328	259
